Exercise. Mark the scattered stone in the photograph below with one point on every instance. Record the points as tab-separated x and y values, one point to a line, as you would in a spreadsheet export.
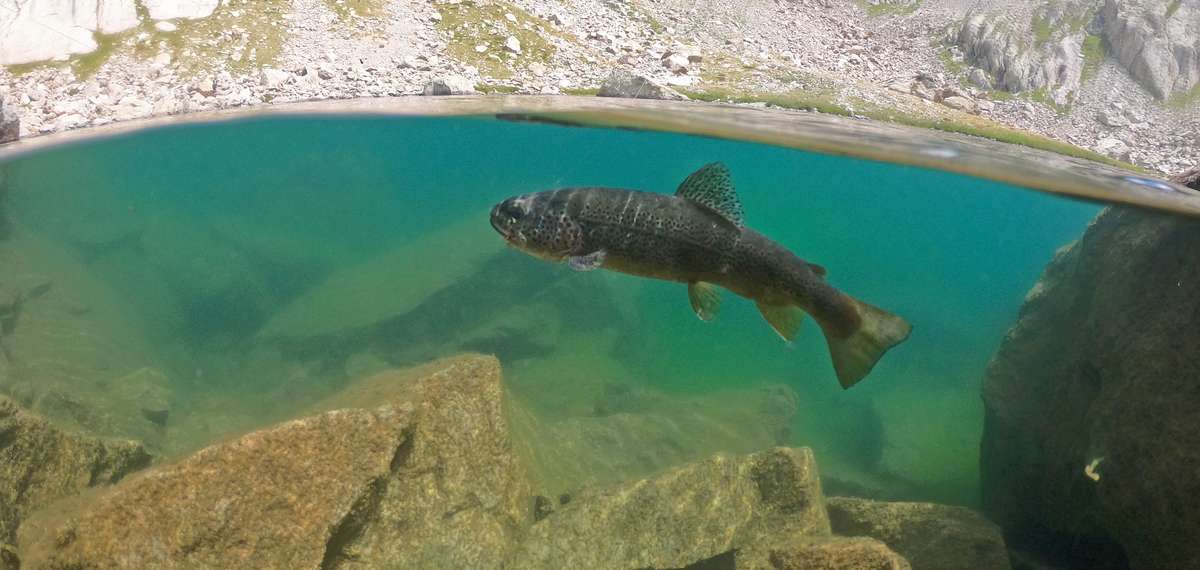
1114	148
930	536
40	463
676	63
984	106
683	516
1111	119
273	78
449	85
980	79
625	84
165	26
10	123
205	86
132	107
959	103
512	44
538	69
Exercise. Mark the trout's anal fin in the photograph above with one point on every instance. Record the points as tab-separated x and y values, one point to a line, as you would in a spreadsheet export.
785	319
705	299
712	187
587	262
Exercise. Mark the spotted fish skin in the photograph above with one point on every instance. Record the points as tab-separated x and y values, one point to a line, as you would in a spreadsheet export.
696	236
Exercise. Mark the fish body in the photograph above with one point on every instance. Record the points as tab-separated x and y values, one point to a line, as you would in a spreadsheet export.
697	237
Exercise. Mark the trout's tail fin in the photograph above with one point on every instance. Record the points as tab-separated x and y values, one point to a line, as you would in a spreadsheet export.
855	354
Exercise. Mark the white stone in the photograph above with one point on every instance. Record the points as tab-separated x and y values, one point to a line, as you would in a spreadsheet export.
481	48
1114	148
512	44
165	27
537	68
69	122
1111	119
273	78
132	107
960	103
163	59
171	9
510	17
205	86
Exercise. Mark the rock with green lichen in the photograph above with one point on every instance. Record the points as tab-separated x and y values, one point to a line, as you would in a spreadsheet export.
930	536
691	513
409	469
40	464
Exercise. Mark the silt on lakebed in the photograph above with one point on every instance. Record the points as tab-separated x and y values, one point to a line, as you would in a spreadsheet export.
225	288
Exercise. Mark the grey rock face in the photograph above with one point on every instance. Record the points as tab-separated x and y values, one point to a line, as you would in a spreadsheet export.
1100	372
625	84
10	123
1161	51
449	85
930	536
1006	46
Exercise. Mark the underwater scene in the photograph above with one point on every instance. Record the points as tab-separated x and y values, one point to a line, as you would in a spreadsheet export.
222	287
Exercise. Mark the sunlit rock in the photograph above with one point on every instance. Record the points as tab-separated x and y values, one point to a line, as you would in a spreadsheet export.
37	30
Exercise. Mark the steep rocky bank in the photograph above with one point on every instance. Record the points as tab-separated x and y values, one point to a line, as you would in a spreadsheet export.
1074	67
1090	427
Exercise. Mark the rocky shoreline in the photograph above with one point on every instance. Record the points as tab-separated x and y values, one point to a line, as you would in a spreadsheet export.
911	57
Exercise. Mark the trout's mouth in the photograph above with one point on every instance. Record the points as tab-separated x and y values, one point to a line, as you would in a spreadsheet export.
503	224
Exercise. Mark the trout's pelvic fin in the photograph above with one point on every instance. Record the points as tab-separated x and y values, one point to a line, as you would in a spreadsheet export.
785	319
587	262
712	188
705	299
854	355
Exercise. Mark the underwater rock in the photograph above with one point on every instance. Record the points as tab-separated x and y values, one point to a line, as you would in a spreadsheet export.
836	553
146	390
1100	371
459	497
628	85
930	536
40	464
315	477
409	469
685	515
638	432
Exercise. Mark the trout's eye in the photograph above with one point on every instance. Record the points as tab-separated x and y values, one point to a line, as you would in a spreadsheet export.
515	209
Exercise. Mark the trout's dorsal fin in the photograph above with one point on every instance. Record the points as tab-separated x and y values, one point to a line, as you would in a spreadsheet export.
712	187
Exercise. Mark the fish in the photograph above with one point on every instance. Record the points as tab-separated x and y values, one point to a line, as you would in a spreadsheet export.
697	236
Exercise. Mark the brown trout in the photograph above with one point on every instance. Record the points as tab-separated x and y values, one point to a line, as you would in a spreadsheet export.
697	237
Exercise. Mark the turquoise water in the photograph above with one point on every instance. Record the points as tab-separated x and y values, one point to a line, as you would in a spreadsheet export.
215	246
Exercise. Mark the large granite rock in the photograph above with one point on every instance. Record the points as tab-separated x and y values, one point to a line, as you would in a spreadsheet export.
636	432
407	470
40	464
1101	367
837	553
928	535
628	85
37	30
170	9
1157	42
686	515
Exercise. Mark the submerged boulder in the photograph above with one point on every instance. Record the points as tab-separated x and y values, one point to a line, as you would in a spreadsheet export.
40	464
930	536
688	514
1091	438
836	553
408	469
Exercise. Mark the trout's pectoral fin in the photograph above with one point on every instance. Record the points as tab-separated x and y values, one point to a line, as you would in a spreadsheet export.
785	319
587	262
705	299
